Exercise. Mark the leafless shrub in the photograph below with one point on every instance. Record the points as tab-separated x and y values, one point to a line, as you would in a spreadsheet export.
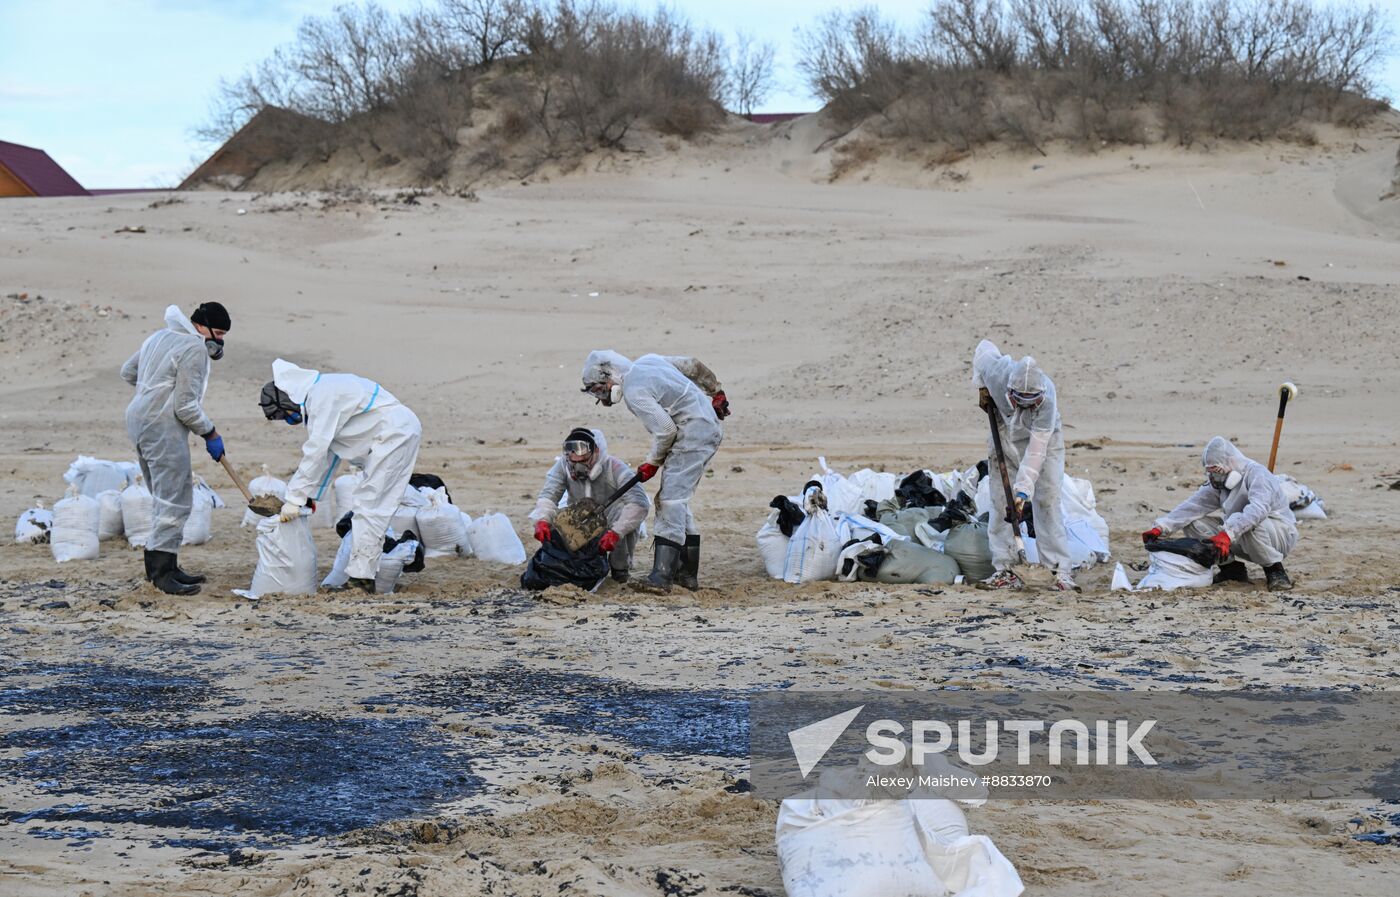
749	78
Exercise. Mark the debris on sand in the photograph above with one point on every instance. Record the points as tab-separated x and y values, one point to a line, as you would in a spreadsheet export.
131	229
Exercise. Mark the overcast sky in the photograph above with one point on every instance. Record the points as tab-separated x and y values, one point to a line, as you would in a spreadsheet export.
112	88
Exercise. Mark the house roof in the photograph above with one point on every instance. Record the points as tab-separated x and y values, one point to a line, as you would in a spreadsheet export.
37	171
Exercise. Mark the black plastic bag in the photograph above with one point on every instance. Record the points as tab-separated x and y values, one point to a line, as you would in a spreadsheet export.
430	481
790	516
1202	551
555	565
917	491
960	510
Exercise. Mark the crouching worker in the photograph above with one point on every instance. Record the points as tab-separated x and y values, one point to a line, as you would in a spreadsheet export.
347	418
170	372
586	470
680	402
1243	510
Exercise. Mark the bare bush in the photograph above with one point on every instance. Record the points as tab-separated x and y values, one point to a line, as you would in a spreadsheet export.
749	79
1099	71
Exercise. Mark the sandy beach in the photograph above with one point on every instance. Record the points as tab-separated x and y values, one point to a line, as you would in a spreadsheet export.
464	737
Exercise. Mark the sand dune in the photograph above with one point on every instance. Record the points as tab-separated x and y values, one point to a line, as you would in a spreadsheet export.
1167	293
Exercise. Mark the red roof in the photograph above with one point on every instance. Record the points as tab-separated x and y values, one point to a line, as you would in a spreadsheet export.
38	172
772	118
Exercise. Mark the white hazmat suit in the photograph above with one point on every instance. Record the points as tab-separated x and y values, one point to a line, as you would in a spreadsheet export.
677	413
604	477
1254	514
1035	456
351	419
170	372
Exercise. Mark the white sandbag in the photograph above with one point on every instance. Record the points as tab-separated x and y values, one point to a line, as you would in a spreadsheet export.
878	848
1174	571
815	547
338	577
1077	499
215	501
34	526
1301	500
74	534
263	484
464	548
286	557
858	526
344	487
493	539
439	526
391	565
109	515
93	476
841	493
199	525
773	546
873	485
405	519
138	513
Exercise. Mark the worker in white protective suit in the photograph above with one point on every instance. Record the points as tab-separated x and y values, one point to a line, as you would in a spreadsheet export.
1243	510
586	470
351	419
1028	416
680	402
171	372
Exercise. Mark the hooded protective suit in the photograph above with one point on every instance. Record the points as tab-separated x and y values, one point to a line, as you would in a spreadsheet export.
1035	455
678	415
1254	514
603	479
170	372
349	418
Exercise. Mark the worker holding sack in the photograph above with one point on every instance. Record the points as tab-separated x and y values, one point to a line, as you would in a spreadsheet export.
171	372
1028	417
680	402
1243	510
351	419
586	470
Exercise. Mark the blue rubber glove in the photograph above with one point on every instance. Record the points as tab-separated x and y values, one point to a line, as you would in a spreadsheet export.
292	419
214	445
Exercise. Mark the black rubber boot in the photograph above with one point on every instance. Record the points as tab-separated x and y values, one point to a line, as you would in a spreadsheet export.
688	576
663	569
1277	578
620	574
1232	572
189	579
160	565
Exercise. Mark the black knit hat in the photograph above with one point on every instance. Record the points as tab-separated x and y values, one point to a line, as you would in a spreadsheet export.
212	315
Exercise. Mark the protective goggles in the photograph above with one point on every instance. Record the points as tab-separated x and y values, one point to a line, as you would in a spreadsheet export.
578	450
1025	399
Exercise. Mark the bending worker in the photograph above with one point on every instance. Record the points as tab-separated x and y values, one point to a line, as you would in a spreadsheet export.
680	402
586	470
1243	510
347	418
1028	417
170	372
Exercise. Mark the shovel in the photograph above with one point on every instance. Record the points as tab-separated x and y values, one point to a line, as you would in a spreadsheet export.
263	505
581	523
1011	516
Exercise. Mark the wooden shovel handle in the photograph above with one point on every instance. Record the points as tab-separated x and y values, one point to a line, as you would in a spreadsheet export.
237	480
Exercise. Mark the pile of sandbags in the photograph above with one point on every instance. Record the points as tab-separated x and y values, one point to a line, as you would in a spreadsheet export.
74	533
93	476
34	526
